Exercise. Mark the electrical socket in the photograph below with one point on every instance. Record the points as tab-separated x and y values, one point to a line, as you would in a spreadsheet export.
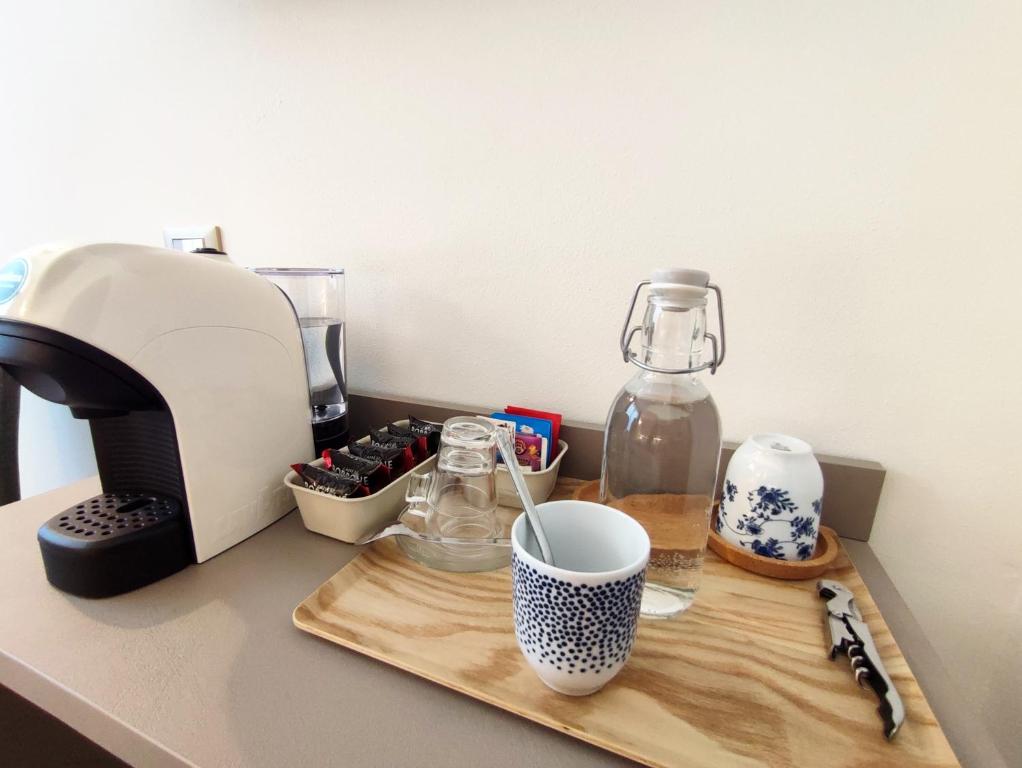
190	238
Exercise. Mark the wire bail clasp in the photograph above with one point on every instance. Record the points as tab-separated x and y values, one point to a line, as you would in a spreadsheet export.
718	351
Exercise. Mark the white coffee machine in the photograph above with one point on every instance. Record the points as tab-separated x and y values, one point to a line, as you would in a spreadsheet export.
191	373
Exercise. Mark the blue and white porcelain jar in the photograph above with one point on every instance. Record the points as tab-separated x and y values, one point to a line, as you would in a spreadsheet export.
772	497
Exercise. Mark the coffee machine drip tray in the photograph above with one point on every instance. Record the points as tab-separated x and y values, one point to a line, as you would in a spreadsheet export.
115	542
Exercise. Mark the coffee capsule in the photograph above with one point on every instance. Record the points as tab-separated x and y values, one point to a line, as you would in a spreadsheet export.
381	439
318	479
419	444
428	429
368	472
394	458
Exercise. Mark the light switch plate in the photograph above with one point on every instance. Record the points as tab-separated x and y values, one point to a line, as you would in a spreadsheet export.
189	238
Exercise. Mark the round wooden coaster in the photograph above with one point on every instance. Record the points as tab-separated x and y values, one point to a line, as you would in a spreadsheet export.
827	548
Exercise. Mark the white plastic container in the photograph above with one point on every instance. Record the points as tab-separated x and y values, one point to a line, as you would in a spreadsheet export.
351	519
541	484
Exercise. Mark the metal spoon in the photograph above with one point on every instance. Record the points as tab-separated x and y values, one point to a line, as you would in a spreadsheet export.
507	450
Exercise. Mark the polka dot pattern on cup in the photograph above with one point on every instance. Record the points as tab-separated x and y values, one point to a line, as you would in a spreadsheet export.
575	627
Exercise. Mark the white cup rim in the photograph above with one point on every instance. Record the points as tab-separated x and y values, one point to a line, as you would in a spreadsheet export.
518	531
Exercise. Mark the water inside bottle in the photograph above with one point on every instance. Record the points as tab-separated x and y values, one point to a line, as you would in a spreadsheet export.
323	338
661	478
675	567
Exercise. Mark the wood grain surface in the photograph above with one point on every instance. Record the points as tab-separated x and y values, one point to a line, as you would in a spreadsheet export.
742	679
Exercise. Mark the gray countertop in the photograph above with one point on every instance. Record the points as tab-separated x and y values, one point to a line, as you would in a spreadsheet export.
205	667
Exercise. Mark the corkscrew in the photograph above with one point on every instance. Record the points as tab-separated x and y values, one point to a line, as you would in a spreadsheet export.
849	634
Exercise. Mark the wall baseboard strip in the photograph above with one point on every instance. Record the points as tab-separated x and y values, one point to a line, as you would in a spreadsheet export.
851	486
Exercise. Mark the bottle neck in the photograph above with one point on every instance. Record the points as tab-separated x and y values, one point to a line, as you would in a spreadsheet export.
672	336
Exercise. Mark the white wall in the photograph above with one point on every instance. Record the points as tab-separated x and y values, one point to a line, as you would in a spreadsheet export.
851	174
54	449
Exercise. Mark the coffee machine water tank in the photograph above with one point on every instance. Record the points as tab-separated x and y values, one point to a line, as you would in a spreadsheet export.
317	295
191	373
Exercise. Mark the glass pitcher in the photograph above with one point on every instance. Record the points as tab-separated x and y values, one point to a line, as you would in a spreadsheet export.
662	439
458	499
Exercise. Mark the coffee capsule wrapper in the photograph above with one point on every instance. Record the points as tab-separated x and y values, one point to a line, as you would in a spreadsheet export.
382	439
422	450
393	458
368	472
324	481
427	429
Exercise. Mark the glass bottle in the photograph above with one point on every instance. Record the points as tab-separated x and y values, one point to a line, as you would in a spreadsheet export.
662	439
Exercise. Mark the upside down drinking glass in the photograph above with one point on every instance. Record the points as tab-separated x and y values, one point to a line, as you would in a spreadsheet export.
458	500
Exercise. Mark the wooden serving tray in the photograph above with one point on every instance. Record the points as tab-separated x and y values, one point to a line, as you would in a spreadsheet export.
742	679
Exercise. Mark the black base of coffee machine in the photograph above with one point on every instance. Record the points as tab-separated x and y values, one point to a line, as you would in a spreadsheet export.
330	434
114	543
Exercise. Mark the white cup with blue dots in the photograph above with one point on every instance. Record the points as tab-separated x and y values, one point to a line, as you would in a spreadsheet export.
576	622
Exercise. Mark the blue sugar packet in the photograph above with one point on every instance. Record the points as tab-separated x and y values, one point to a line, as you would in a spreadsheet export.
530	425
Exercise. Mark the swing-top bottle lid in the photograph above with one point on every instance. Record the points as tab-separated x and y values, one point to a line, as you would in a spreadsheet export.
680	287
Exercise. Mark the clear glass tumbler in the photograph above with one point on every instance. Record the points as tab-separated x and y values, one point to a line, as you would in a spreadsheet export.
458	499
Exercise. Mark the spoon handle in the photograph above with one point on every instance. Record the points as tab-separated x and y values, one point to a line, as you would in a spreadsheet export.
507	450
